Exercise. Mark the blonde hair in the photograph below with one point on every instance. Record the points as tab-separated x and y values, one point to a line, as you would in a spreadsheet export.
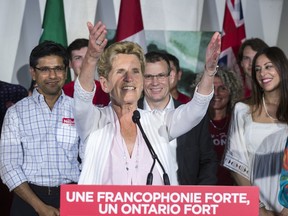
105	61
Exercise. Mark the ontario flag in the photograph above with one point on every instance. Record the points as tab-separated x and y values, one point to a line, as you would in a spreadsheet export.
130	24
233	34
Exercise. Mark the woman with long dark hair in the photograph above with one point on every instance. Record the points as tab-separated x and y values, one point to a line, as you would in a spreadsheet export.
259	130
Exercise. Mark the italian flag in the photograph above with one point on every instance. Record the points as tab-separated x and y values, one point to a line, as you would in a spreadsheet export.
130	24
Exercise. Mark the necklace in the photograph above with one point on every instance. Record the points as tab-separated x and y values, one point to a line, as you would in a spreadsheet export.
126	156
266	111
219	128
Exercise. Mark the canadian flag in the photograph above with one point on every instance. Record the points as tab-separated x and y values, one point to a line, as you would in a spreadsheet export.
130	24
233	34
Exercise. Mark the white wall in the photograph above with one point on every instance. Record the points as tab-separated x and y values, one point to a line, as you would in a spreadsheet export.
20	24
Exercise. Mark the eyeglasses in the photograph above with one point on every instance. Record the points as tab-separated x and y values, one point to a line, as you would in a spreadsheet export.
159	77
46	70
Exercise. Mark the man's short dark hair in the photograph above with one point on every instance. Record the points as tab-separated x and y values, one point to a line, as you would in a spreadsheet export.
48	48
153	56
77	45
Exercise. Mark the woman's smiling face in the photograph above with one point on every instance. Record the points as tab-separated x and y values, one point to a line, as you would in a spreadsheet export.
267	74
125	80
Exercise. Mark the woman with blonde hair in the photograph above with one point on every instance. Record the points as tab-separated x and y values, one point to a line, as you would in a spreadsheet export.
116	152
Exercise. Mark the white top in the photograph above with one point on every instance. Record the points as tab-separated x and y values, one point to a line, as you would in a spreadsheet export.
121	169
97	128
255	151
170	105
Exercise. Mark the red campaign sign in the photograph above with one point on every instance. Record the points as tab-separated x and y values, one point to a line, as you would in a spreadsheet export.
96	200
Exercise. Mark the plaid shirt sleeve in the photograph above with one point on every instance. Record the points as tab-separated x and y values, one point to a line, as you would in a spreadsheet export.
11	153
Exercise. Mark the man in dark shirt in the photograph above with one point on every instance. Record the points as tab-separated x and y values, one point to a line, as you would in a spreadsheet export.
9	95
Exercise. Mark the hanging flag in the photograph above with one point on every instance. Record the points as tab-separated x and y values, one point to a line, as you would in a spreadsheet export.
130	24
53	26
233	34
105	12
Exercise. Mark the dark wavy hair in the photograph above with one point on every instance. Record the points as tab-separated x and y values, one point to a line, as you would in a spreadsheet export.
231	80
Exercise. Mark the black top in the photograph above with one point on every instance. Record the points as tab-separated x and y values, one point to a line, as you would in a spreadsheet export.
9	95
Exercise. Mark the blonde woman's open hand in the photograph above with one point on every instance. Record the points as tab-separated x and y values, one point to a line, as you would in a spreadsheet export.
213	53
97	39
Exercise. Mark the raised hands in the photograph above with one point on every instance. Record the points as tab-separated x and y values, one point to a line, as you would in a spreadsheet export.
96	45
212	54
97	39
205	86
